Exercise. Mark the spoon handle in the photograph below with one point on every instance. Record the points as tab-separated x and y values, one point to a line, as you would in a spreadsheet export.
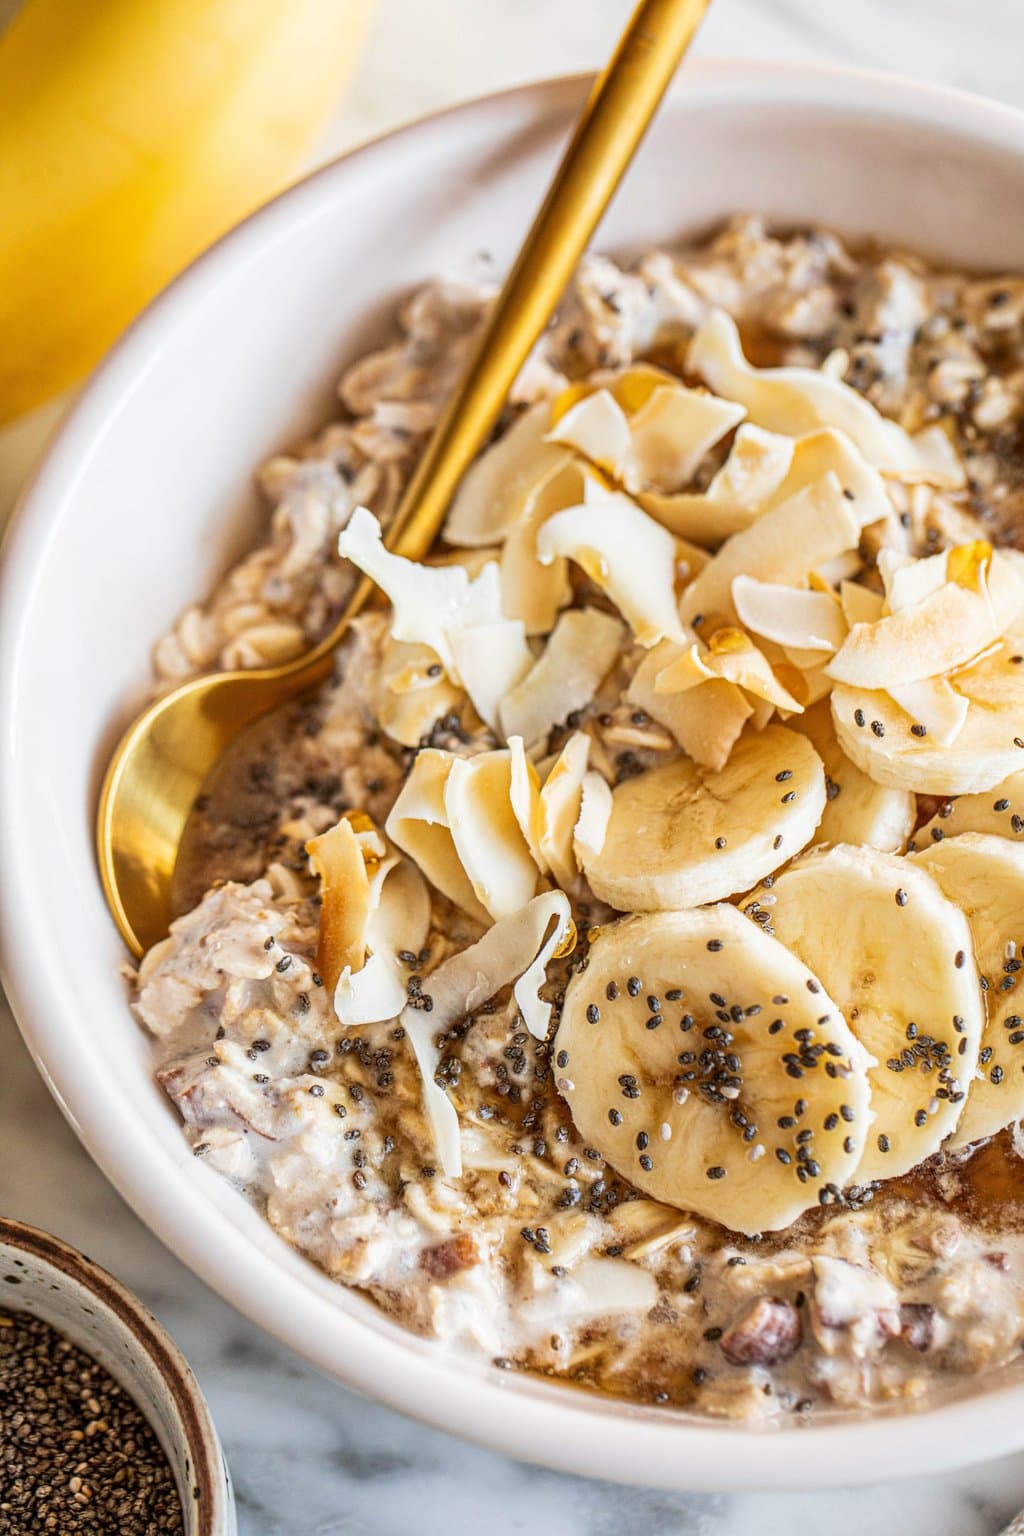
624	98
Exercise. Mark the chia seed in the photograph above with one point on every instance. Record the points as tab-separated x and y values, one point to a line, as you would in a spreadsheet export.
82	1457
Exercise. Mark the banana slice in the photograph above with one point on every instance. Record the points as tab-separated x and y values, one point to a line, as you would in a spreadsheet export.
680	836
897	957
984	876
893	748
999	811
679	1053
857	810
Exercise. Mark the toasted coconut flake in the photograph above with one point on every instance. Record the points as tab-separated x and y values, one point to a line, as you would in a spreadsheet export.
520	947
810	621
784	544
732	655
560	800
399	921
411	691
796	401
524	797
339	864
486	834
432	605
581	651
498	488
625	552
939	632
630	388
530	591
757	465
859	604
592	823
672	432
907	581
596	427
829	451
491	659
705	721
830	574
418	823
934	704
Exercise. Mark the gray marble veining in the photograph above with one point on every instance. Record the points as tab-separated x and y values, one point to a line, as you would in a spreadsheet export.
308	1457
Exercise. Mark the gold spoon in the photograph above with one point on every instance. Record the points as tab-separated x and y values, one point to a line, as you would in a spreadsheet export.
163	760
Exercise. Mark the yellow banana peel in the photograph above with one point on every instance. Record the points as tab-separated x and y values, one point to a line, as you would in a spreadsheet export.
132	134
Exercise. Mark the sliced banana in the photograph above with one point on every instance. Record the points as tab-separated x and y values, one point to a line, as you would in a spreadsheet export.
680	836
676	1054
984	876
857	810
897	957
999	811
893	748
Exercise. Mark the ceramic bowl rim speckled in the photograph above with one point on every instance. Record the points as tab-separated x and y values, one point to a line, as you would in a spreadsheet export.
857	150
36	1264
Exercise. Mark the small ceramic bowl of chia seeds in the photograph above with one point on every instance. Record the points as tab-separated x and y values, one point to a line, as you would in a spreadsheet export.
104	1428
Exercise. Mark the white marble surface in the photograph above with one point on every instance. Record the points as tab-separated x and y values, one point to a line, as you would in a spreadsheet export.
309	1458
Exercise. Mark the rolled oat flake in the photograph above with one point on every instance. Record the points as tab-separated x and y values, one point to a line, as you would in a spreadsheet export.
76	1454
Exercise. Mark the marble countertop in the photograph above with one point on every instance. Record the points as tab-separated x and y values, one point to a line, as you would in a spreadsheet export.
309	1458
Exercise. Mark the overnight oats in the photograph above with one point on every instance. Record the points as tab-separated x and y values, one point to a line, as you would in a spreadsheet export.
613	971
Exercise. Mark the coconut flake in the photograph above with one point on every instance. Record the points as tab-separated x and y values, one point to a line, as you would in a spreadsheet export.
596	427
625	552
560	800
731	655
938	632
578	656
594	1288
418	823
859	604
405	698
486	834
399	921
671	434
757	465
810	621
796	401
497	489
592	823
705	721
524	797
490	659
530	591
338	861
935	705
784	544
518	946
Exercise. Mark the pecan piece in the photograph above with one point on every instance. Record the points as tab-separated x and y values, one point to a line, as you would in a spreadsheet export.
917	1324
450	1257
766	1333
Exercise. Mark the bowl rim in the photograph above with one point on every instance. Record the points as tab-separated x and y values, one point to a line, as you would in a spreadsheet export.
213	1497
534	1421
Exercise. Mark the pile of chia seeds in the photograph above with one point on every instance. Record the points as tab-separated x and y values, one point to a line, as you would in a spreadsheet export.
76	1454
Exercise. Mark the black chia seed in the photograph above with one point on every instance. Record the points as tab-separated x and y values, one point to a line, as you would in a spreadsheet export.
76	1454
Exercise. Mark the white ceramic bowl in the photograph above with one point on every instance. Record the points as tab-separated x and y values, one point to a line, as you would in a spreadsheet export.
144	497
54	1282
